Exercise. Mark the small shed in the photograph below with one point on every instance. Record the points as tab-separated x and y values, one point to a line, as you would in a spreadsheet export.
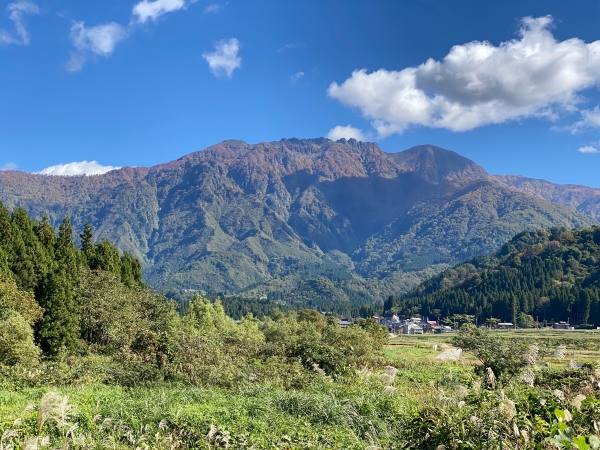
561	326
506	326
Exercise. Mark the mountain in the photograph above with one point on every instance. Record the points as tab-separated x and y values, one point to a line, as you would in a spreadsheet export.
549	274
582	198
293	215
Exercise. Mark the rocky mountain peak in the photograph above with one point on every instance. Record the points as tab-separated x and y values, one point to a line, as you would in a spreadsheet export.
437	165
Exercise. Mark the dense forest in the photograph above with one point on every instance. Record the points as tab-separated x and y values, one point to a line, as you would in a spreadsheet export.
44	277
238	306
546	275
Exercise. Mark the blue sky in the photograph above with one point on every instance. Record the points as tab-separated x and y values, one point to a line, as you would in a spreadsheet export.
512	85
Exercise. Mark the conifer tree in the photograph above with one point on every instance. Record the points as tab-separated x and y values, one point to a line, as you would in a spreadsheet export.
59	328
5	228
22	261
46	235
4	269
87	244
131	271
107	258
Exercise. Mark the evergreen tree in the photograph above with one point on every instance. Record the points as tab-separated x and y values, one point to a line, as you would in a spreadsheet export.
59	328
65	251
131	271
389	304
87	244
107	258
46	235
4	269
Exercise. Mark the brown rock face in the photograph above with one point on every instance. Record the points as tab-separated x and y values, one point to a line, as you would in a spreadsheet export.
238	216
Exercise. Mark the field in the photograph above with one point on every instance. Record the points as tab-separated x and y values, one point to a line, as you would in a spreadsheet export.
374	410
581	345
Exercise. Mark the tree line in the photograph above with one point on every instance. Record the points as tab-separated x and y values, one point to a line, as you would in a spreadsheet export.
545	275
42	272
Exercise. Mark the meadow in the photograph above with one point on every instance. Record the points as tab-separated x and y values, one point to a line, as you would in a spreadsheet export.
413	401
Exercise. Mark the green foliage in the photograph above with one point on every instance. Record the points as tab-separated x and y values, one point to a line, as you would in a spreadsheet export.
59	328
549	275
505	358
16	341
14	299
206	317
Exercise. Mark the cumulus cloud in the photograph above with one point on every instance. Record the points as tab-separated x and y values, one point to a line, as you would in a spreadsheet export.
16	11
8	166
478	84
152	10
296	77
78	168
99	40
347	132
588	149
224	60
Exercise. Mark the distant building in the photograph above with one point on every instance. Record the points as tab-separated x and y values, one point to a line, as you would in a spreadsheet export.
506	326
561	326
412	328
345	323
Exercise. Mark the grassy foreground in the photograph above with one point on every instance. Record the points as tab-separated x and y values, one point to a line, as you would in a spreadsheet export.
421	402
322	416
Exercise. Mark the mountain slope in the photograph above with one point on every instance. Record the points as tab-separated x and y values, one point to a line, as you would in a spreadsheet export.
550	274
582	198
270	216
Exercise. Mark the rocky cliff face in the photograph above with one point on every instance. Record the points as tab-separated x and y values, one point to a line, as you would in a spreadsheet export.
237	216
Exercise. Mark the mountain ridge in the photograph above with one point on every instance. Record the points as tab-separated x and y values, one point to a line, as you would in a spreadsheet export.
238	216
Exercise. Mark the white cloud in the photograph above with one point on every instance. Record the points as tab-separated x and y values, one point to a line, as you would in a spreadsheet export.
347	132
224	60
478	84
590	118
588	149
8	166
16	11
296	77
99	40
214	8
78	168
102	39
153	9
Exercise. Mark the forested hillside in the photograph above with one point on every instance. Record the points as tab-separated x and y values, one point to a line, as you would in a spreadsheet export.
547	275
297	218
47	283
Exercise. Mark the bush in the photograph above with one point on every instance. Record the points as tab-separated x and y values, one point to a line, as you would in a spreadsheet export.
504	357
16	341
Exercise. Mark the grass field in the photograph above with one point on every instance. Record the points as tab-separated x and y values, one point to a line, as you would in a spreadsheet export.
581	345
362	414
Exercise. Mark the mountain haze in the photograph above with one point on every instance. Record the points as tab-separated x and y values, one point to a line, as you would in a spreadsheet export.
268	217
